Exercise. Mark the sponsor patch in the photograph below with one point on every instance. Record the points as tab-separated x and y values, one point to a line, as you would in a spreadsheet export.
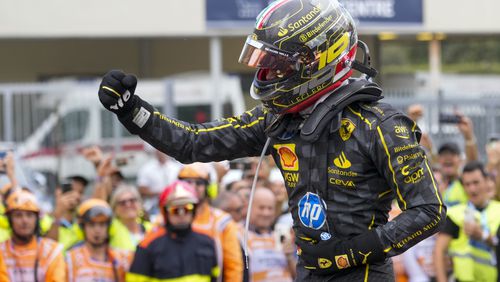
342	161
291	178
325	236
346	129
405	147
141	117
337	171
412	176
342	261
401	131
288	159
312	211
402	159
342	182
304	20
324	263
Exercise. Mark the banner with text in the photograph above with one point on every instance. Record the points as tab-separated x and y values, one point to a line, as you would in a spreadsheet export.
237	13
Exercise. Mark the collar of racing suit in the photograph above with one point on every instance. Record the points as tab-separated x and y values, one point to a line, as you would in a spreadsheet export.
312	121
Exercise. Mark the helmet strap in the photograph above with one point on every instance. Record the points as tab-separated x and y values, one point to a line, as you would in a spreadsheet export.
365	66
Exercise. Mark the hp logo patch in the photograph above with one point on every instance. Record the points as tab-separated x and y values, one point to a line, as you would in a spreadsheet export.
311	211
325	236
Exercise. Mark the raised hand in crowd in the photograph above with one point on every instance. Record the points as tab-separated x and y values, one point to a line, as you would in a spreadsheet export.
7	164
104	185
93	154
416	112
466	127
66	203
493	163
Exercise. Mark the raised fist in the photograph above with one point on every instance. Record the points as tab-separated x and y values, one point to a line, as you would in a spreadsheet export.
116	91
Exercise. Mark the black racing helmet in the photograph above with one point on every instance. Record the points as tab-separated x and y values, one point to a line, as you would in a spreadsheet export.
302	49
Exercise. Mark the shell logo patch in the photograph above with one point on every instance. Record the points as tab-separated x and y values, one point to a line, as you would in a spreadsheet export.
288	158
342	261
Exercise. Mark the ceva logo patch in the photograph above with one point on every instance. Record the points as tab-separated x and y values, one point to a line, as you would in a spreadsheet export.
312	211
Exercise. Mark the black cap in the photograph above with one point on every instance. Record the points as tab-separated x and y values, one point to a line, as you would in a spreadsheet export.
493	137
450	147
80	179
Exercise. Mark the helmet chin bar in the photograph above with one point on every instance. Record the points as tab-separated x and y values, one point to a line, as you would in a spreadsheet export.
364	67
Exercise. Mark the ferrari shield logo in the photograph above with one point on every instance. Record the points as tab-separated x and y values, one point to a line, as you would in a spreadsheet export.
346	129
324	263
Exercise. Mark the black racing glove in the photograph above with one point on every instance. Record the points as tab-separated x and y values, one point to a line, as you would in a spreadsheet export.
323	254
116	92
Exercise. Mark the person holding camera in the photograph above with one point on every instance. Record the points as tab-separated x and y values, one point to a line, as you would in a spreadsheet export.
450	160
64	228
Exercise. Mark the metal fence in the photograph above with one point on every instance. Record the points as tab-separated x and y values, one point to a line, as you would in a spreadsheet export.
19	110
21	113
484	111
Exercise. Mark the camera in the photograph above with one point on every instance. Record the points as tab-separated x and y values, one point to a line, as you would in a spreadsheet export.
119	162
449	118
66	187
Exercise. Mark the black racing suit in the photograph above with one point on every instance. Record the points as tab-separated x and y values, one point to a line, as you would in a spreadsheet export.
343	183
164	255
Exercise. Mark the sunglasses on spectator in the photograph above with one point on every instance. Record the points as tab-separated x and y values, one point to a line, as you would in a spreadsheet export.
125	202
180	210
198	182
236	209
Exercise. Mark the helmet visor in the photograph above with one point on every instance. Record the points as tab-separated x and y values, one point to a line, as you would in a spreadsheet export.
257	54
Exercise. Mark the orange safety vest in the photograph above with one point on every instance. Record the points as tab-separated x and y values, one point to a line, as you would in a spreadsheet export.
219	226
4	276
42	256
81	266
267	261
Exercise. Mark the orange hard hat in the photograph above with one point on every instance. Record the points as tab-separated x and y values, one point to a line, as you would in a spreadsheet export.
22	200
194	171
94	210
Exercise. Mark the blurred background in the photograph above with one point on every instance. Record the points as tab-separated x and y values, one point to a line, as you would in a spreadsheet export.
444	55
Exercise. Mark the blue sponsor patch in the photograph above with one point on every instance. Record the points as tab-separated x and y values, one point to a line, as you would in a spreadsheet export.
325	236
312	211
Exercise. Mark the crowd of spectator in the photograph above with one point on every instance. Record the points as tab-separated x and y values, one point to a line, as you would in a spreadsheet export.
467	247
187	221
173	221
